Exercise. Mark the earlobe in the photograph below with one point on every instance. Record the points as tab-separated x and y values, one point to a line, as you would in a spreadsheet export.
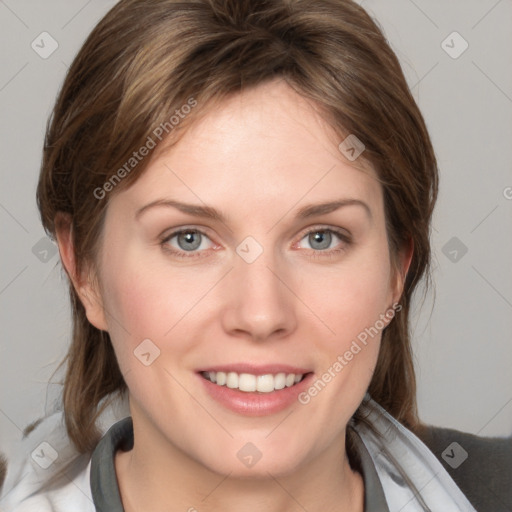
63	232
404	262
94	309
83	285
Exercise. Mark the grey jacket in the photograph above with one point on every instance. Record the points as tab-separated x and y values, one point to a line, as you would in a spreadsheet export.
485	476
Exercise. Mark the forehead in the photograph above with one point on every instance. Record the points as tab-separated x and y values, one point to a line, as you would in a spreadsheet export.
260	148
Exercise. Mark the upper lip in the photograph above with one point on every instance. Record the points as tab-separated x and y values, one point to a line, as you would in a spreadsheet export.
254	369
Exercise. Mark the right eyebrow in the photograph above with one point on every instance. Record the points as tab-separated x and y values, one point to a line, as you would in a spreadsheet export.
192	209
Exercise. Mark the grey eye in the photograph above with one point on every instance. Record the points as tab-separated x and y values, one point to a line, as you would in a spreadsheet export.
320	239
189	240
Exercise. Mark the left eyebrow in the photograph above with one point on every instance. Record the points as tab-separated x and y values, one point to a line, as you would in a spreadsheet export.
324	208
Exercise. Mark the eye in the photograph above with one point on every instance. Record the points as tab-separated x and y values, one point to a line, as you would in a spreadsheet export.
325	239
186	240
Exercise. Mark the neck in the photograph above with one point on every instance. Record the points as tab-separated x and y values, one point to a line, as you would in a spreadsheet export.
155	479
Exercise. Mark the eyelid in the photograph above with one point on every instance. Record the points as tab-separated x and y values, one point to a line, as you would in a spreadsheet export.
170	232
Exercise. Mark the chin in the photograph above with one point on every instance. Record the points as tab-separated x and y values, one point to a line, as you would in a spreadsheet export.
260	470
254	460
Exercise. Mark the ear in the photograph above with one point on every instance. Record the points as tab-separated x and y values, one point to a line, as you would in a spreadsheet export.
86	287
403	263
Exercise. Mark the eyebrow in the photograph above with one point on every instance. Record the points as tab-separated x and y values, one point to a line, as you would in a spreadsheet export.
324	208
208	212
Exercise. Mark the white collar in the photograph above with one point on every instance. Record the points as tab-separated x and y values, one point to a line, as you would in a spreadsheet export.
412	477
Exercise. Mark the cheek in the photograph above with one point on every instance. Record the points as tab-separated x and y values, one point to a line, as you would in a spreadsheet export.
139	303
147	298
352	298
352	306
143	308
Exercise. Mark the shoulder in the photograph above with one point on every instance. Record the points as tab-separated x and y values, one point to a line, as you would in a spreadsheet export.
480	466
45	472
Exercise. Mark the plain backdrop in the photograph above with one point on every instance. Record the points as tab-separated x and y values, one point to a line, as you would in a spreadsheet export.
456	57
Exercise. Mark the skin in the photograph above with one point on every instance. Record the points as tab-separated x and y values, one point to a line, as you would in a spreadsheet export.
257	157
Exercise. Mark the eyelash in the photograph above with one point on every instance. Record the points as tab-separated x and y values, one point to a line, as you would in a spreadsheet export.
326	253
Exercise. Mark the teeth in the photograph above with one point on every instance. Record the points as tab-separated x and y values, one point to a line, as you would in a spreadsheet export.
250	383
265	383
232	380
246	382
289	380
280	381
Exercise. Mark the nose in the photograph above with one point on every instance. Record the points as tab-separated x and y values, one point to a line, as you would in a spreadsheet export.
261	304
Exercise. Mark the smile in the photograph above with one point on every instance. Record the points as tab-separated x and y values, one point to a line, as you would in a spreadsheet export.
250	383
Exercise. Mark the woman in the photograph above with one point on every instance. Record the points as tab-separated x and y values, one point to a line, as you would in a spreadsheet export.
241	193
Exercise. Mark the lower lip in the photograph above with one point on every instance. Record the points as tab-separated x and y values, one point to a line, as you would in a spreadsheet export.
255	403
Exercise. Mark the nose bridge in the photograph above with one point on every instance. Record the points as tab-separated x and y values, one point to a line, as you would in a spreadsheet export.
258	282
259	303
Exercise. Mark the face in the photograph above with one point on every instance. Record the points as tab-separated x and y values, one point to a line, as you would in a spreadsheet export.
254	254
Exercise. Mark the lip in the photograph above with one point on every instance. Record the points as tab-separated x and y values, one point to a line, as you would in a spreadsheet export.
256	403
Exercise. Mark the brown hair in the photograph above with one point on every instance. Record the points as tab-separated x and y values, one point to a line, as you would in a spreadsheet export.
146	59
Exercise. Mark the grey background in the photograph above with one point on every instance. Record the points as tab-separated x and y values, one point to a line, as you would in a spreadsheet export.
462	340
